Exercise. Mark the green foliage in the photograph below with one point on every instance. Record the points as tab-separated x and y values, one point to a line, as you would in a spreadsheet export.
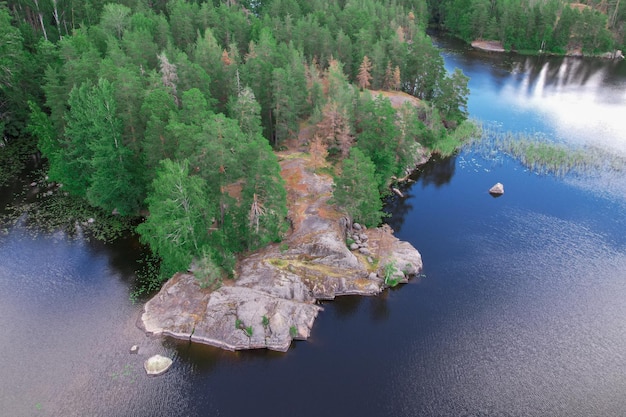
176	227
390	273
451	100
377	137
207	272
356	189
94	162
265	321
13	158
293	331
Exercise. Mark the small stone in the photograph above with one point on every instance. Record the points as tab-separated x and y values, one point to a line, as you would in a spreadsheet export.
356	226
157	364
134	349
354	246
363	237
91	220
365	251
373	275
33	184
497	189
370	260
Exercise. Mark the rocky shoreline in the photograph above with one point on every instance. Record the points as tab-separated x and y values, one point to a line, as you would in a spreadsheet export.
274	298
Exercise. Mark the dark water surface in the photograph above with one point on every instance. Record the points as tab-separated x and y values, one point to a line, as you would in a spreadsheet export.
521	312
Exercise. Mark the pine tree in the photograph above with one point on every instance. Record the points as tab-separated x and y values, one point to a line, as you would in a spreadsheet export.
388	80
318	152
356	190
169	76
364	78
179	211
397	80
247	111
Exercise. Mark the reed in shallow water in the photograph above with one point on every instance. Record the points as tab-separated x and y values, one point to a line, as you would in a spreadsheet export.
542	155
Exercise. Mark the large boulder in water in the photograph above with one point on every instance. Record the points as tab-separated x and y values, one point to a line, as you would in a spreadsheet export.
157	364
497	189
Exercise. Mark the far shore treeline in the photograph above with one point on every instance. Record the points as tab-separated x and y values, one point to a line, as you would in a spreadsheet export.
590	27
173	110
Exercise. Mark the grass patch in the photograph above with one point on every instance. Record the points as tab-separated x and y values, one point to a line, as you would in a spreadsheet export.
466	132
390	272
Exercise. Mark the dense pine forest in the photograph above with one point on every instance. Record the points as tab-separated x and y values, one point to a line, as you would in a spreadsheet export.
532	26
174	110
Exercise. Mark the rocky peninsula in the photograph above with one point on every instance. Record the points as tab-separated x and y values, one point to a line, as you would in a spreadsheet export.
274	298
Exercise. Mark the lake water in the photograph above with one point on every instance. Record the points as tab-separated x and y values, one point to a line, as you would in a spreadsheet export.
521	310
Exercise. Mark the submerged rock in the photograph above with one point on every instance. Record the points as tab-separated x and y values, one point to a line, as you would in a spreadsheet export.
497	189
273	301
157	364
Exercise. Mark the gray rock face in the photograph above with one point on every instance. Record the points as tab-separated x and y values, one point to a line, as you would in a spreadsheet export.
273	300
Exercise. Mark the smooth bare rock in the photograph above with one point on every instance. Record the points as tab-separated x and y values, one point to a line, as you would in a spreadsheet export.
157	364
230	317
497	189
273	300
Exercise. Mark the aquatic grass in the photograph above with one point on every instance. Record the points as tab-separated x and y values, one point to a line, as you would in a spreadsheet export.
542	155
53	210
148	279
127	373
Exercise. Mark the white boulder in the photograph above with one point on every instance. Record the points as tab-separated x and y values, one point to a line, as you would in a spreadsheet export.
157	364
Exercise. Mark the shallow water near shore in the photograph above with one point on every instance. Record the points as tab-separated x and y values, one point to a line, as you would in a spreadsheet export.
520	311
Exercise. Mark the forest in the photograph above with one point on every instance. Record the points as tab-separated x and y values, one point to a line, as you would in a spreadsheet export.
173	110
537	26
